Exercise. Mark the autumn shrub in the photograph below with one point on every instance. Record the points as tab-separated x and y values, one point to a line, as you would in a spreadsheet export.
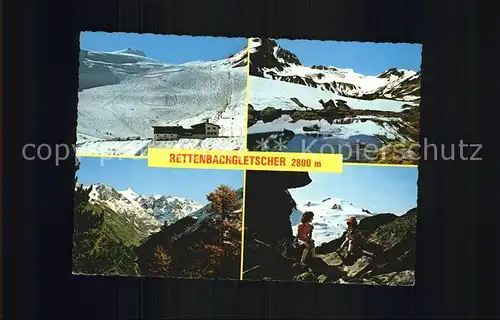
224	200
161	263
229	229
215	254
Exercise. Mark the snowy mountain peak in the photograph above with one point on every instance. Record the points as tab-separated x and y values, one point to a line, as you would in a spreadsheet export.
329	203
104	193
168	209
152	211
266	56
129	194
131	51
269	60
127	208
270	47
205	214
397	73
101	191
239	59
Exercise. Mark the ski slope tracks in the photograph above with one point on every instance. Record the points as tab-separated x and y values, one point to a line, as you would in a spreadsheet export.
140	147
123	94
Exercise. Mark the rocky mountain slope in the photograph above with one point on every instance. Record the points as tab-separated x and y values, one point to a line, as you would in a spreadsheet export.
330	105
269	60
206	244
103	239
148	213
123	233
387	258
122	94
164	208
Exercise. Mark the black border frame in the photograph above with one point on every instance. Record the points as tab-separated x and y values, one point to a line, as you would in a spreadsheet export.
40	100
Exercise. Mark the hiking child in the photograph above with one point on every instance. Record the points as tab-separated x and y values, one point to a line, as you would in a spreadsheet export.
353	236
304	236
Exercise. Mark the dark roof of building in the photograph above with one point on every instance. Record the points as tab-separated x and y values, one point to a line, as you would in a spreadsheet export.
168	129
203	124
174	129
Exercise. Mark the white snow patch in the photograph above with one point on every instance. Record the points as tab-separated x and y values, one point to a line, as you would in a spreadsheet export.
126	148
277	94
140	147
330	216
147	213
254	44
234	143
341	131
122	204
129	194
355	84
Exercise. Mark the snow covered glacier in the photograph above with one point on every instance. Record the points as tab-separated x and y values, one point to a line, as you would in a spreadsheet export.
122	94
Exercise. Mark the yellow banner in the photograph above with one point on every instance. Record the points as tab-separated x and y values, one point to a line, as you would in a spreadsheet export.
239	160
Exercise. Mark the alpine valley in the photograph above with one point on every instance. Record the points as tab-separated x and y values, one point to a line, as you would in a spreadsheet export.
126	233
323	108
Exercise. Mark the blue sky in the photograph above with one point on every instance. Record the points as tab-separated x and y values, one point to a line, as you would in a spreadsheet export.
193	184
375	188
165	48
366	58
363	57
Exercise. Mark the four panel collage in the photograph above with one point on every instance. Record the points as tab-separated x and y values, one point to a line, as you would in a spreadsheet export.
143	91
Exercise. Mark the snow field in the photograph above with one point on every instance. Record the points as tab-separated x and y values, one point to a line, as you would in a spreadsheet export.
277	94
329	223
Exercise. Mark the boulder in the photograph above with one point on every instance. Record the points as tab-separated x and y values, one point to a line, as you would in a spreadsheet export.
305	276
269	204
388	256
